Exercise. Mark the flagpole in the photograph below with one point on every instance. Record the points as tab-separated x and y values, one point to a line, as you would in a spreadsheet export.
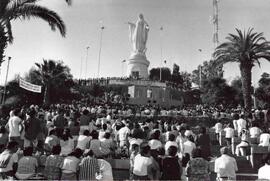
86	58
101	30
161	55
123	61
5	88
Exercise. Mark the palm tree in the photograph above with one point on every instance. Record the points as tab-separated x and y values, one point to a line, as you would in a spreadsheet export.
51	73
24	9
247	49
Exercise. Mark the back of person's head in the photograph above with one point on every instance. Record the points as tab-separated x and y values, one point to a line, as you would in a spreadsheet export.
86	133
161	151
16	111
266	159
31	112
56	150
172	150
144	149
134	147
85	112
236	116
12	145
202	130
52	132
77	153
107	135
3	130
104	127
28	151
94	134
224	150
254	124
190	138
171	137
197	152
90	153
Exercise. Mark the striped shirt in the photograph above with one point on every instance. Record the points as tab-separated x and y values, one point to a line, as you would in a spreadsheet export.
27	164
88	168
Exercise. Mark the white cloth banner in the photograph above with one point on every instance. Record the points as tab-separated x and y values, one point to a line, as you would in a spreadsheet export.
30	87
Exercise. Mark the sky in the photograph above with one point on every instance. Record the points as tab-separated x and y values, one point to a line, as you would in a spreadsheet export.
186	29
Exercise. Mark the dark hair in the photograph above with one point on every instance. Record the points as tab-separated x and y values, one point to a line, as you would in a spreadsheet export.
94	134
156	135
52	132
171	137
202	130
236	116
107	135
266	159
11	145
28	151
172	150
144	149
86	133
16	111
190	138
56	150
31	112
134	146
3	130
77	153
85	112
90	153
104	127
197	152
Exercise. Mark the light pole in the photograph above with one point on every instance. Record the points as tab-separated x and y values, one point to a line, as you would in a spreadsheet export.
123	61
5	88
161	53
100	45
86	58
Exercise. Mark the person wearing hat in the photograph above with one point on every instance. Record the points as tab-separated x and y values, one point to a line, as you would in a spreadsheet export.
225	165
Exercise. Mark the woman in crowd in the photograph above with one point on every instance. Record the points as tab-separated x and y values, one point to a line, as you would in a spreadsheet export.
95	144
203	141
66	142
189	145
53	164
84	140
27	165
70	165
229	134
88	167
155	143
51	140
198	168
170	142
107	145
243	147
171	165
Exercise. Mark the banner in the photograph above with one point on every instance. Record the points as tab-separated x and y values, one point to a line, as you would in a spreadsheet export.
30	87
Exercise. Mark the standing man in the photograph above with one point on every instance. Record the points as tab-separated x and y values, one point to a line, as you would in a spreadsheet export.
32	129
59	120
225	166
15	126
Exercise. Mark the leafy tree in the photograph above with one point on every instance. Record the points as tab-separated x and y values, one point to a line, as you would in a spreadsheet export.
176	76
96	90
186	77
262	93
24	9
245	48
216	91
56	79
236	84
207	71
165	74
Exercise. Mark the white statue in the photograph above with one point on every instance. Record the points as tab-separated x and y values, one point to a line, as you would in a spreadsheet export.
138	35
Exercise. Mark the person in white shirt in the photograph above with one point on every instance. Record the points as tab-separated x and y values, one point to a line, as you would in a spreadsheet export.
189	145
155	143
235	119
123	134
218	130
105	170
171	142
254	131
225	166
264	171
265	138
241	124
142	164
15	126
83	140
181	138
229	134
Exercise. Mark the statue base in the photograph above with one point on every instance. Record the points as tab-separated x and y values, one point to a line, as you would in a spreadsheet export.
137	66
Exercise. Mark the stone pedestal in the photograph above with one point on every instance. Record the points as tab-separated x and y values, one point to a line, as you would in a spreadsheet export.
137	65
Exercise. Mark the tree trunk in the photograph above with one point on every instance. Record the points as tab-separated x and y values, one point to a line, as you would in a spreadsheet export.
46	98
246	85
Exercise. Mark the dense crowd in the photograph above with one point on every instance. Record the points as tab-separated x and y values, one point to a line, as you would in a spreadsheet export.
76	142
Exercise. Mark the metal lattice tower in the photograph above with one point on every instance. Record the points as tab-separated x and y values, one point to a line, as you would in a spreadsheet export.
215	23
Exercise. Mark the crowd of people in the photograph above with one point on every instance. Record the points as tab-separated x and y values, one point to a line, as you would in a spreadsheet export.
78	142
